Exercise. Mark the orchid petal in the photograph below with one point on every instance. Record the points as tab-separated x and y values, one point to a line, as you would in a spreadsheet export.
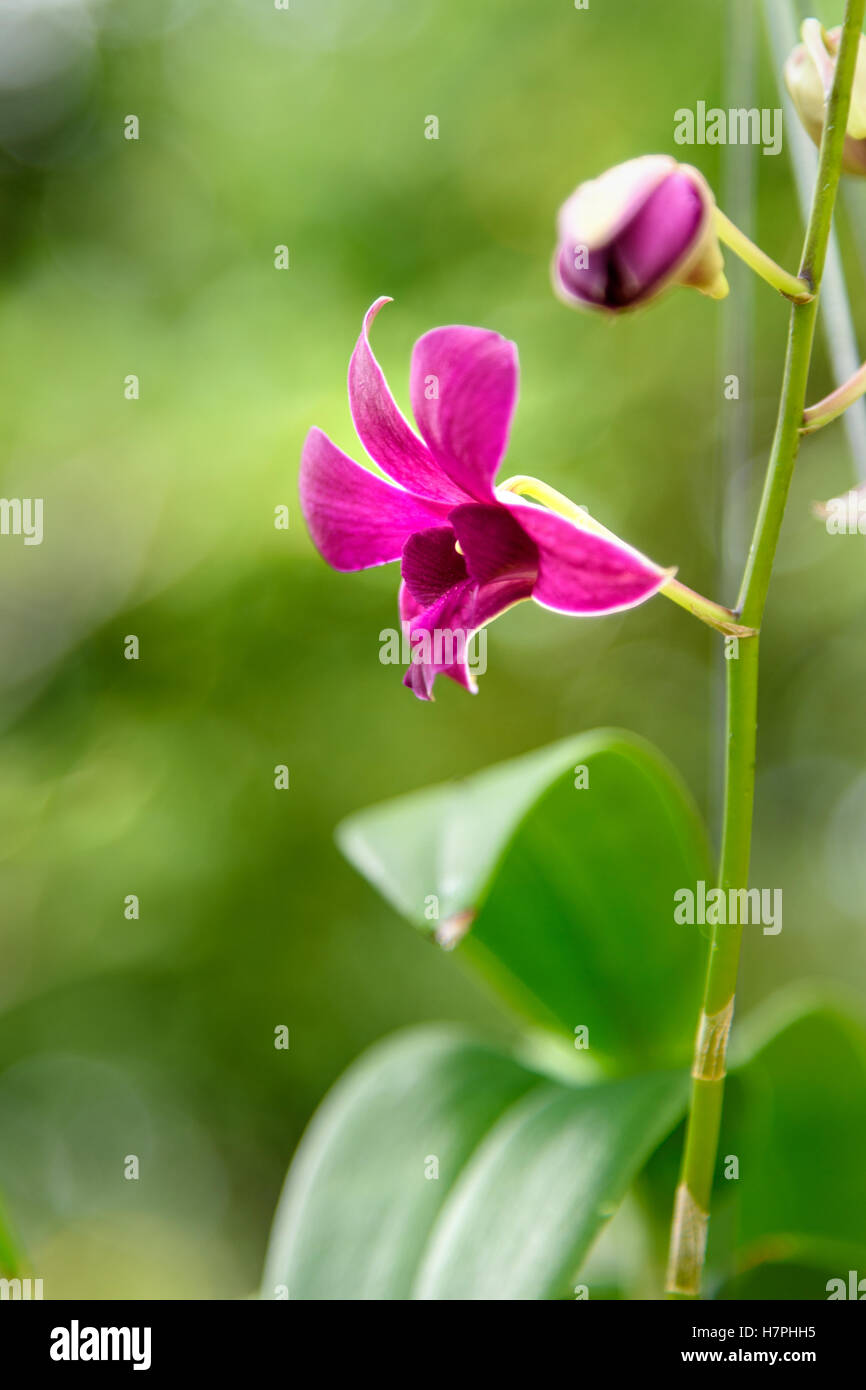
415	678
583	573
601	208
463	388
408	605
441	634
384	431
449	592
494	543
432	564
354	518
655	241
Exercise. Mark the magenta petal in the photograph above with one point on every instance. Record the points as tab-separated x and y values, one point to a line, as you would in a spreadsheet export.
408	605
416	678
432	564
660	235
579	572
420	678
447	596
383	429
356	519
494	543
419	681
440	636
463	387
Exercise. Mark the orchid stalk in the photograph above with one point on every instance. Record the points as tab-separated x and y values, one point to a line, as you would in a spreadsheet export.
692	1203
793	287
825	411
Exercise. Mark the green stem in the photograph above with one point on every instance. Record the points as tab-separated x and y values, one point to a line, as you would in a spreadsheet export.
792	286
781	18
713	614
816	416
692	1205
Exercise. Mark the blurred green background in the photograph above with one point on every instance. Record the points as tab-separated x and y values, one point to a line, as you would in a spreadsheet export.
261	127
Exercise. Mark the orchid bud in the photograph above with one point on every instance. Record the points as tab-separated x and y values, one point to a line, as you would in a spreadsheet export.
630	234
809	79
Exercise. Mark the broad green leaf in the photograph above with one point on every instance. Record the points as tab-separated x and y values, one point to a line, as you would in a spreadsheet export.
357	1208
570	888
445	840
439	1168
525	1211
801	1187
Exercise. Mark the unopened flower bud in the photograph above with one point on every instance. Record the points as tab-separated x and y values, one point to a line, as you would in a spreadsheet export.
640	227
809	78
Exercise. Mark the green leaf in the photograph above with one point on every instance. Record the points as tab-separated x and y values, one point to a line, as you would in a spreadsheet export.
571	888
528	1171
542	1184
445	839
802	1065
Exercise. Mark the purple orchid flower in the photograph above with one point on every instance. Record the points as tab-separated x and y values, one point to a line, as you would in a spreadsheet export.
468	550
624	237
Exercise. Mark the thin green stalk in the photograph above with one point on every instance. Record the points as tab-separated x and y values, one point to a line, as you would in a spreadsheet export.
781	19
816	416
692	1204
791	286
